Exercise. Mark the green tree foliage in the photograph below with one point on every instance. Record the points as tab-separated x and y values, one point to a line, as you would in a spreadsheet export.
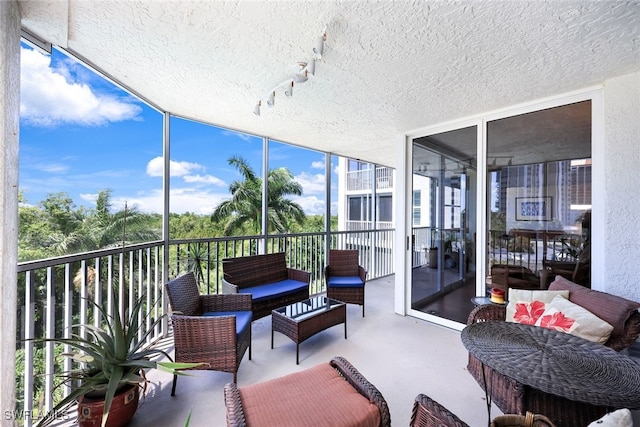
242	214
57	227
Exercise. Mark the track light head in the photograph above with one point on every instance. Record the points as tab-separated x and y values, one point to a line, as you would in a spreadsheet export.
256	110
272	99
318	50
311	67
301	77
288	91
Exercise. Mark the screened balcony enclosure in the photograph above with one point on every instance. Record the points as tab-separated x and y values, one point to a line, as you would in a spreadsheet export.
446	137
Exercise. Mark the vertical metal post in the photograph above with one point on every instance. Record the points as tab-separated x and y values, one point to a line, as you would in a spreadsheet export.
265	199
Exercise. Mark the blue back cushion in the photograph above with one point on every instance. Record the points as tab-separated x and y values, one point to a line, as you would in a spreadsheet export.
344	281
243	318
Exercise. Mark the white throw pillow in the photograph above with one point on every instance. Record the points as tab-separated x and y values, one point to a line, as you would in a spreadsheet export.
619	418
565	316
526	306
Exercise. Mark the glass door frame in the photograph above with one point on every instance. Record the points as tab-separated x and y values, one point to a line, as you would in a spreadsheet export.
407	210
403	206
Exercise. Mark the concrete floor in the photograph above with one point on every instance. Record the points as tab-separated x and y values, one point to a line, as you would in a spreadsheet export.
401	356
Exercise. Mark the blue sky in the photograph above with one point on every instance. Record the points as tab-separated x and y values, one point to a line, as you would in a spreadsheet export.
80	134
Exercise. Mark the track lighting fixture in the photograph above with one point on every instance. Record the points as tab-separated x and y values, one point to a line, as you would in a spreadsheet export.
288	91
302	75
305	69
310	69
318	50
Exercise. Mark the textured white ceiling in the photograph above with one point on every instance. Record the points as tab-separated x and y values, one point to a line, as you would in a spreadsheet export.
389	67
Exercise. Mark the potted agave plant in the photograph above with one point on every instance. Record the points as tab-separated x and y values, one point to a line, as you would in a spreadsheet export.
113	362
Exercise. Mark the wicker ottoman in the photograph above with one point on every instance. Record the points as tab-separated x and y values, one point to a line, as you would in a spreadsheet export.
330	394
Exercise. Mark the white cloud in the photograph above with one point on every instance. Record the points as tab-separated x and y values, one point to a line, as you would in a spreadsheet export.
48	98
311	205
51	167
89	197
317	165
311	184
155	167
203	179
182	200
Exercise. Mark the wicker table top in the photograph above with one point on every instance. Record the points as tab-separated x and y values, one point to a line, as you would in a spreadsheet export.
556	363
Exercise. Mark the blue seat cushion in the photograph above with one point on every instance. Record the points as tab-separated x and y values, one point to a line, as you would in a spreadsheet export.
345	282
243	318
271	290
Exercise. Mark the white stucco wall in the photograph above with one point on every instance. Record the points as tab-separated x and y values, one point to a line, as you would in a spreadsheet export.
621	222
9	126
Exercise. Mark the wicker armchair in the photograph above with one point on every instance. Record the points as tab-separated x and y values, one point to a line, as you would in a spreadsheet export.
429	413
214	330
344	277
513	397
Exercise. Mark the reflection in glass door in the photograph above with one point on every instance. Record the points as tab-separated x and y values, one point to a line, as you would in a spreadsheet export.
539	197
443	207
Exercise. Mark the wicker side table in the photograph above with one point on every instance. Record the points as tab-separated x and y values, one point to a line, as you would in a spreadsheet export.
302	320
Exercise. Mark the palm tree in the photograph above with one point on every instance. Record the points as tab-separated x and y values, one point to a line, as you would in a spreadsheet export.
243	212
102	229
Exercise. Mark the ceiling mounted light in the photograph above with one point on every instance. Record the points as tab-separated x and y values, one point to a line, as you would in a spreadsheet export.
318	50
301	77
288	91
304	70
311	67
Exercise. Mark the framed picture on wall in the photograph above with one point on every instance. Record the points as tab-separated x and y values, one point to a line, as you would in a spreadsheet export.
533	208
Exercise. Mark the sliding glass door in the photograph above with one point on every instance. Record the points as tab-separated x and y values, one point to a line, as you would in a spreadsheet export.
539	196
443	230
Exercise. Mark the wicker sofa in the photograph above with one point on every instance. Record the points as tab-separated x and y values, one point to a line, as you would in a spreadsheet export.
516	398
329	394
268	279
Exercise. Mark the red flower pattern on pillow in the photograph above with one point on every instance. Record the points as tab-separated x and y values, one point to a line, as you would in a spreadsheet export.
557	321
528	313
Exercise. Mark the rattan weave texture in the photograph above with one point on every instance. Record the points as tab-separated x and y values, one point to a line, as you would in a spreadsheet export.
557	363
429	413
514	397
249	271
345	262
329	313
210	340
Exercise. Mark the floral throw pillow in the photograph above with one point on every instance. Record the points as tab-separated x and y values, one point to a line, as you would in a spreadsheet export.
526	306
565	316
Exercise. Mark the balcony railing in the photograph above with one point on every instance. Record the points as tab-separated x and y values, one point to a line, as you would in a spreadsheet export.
360	180
59	292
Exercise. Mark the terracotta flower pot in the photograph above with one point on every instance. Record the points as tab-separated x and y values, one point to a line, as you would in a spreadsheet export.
123	407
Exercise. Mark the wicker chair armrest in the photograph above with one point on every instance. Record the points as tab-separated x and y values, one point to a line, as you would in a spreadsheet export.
203	333
363	386
226	302
362	273
299	275
235	413
229	288
487	312
631	333
428	412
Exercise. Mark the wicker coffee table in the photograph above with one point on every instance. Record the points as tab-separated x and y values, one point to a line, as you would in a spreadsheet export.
304	319
556	363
